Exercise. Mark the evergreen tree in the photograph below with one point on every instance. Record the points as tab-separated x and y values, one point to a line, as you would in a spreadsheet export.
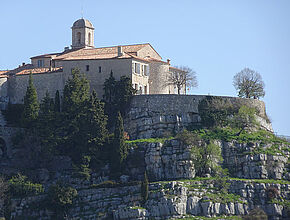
117	96
109	98
145	188
92	127
31	106
75	94
46	122
57	102
75	97
124	94
110	89
120	151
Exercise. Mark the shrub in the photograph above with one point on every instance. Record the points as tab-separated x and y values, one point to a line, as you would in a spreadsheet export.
188	137
83	171
206	155
256	214
20	186
245	118
60	198
272	193
215	111
206	158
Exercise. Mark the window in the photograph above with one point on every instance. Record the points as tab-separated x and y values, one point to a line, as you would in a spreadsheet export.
146	70
40	63
89	38
145	89
142	69
87	68
79	37
137	68
100	69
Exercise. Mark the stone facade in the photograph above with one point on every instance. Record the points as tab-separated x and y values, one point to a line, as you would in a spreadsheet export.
154	115
52	82
140	62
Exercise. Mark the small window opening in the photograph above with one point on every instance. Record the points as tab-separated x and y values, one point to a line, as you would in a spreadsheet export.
40	63
89	38
87	68
79	37
100	69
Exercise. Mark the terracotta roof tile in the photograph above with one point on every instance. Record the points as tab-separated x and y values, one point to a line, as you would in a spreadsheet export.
3	71
100	53
174	68
38	71
155	60
49	55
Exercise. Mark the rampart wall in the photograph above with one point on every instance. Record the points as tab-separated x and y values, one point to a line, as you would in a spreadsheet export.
153	115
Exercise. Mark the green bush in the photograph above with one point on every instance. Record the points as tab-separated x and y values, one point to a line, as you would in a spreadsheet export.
256	214
206	155
61	197
83	171
20	186
215	111
188	138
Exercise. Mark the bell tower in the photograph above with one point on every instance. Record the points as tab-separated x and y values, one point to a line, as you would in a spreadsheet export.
82	34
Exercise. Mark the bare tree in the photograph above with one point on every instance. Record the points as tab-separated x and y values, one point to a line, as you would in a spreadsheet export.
249	84
181	77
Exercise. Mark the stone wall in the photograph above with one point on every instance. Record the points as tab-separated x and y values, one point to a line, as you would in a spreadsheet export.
157	78
166	200
17	85
152	115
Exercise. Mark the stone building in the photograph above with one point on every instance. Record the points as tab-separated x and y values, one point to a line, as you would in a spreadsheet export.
140	62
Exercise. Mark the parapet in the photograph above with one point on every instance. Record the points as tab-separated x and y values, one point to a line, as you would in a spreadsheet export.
153	115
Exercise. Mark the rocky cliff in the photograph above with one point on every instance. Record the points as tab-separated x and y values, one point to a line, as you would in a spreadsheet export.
174	191
258	166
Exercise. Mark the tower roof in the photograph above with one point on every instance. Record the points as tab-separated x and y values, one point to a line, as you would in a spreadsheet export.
81	23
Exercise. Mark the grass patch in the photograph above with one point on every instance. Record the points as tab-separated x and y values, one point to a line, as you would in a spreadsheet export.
284	203
137	207
200	179
222	198
150	140
230	134
211	218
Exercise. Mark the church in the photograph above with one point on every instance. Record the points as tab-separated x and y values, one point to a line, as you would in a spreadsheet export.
140	62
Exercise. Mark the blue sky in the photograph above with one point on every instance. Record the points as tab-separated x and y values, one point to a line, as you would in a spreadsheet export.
216	38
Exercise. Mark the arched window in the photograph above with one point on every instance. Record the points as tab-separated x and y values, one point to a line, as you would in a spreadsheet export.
89	38
79	37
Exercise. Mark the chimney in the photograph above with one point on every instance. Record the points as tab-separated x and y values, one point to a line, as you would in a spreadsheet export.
23	64
66	48
120	51
168	61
